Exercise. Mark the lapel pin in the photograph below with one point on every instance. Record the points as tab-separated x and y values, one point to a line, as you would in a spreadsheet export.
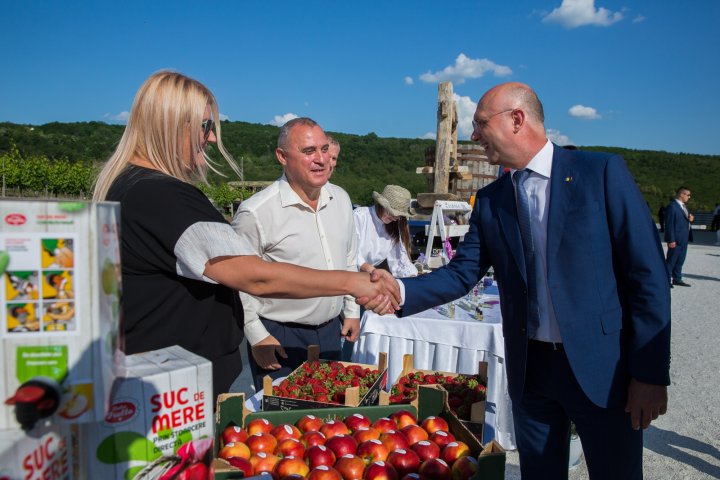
568	179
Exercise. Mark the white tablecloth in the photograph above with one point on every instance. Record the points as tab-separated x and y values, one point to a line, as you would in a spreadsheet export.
446	344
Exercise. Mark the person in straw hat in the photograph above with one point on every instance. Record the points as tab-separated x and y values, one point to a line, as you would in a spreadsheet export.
383	233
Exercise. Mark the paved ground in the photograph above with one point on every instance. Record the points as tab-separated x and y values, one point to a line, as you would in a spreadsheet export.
684	443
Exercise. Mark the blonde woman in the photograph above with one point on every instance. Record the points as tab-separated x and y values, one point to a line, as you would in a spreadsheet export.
383	233
182	263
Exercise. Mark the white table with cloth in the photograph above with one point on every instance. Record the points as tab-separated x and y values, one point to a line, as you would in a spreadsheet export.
440	343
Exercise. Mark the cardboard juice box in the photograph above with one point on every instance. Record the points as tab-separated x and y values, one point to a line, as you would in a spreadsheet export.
43	453
60	285
351	395
162	401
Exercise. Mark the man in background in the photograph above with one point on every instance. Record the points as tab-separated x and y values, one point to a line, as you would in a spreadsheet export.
304	220
677	235
333	153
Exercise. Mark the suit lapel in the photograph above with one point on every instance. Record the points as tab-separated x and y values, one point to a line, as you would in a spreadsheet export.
563	179
507	214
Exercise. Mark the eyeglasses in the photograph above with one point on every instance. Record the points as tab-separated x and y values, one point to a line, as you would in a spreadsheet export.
480	124
207	128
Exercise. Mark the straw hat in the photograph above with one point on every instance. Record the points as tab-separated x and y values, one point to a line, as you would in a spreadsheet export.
395	200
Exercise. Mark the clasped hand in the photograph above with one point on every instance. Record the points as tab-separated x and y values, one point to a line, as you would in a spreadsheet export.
386	293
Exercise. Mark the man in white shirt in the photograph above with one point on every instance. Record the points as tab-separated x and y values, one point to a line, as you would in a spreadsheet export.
304	220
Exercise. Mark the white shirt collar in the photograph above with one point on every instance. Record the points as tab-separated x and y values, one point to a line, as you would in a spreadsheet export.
289	197
541	163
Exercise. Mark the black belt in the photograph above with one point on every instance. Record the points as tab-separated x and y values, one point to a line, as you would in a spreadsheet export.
304	326
546	346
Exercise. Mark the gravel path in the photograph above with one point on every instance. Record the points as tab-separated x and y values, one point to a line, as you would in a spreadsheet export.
685	442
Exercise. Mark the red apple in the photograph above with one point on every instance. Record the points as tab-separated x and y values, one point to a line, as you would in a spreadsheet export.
350	467
309	423
233	434
380	471
342	445
281	432
464	468
372	451
426	449
319	455
414	433
435	469
442	438
454	450
264	462
259	425
404	461
290	447
243	464
310	439
323	472
196	471
384	424
291	466
234	450
357	420
403	418
394	440
365	434
262	442
334	427
433	424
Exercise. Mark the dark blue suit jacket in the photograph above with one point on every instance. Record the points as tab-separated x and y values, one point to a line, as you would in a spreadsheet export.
677	225
606	274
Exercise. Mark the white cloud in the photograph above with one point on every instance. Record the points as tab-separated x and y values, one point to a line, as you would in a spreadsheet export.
578	13
409	81
280	120
429	136
464	68
639	19
121	117
586	113
465	110
556	137
223	117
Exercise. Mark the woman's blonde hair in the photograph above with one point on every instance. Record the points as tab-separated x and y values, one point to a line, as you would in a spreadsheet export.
167	107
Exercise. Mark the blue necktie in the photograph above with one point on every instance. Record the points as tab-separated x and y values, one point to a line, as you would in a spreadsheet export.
531	267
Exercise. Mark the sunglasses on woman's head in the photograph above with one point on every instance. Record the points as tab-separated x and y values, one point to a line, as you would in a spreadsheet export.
207	128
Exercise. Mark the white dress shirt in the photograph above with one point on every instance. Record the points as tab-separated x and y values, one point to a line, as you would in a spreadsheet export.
283	228
537	187
375	245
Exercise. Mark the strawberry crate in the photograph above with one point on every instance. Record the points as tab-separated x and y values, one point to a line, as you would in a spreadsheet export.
326	384
466	393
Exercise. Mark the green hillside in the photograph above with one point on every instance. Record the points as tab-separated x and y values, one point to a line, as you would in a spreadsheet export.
366	162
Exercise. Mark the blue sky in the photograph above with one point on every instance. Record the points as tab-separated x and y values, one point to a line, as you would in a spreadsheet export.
638	74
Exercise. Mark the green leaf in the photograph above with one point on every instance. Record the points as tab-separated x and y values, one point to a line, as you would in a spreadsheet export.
125	447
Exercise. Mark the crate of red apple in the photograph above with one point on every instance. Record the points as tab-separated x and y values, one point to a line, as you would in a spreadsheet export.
466	393
354	447
325	384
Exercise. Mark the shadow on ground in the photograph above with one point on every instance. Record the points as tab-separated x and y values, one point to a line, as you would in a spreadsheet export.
682	449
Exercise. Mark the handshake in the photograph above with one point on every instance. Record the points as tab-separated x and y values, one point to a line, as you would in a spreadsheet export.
378	291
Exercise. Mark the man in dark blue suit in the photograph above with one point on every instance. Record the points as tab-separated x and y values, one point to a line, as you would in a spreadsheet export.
584	293
677	235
